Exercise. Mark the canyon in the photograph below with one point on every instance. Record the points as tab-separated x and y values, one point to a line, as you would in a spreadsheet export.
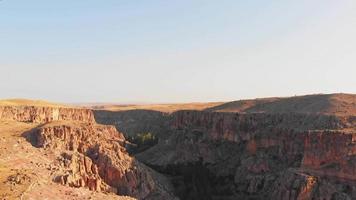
257	156
75	151
274	148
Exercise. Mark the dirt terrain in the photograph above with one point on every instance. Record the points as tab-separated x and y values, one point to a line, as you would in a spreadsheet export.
27	102
333	104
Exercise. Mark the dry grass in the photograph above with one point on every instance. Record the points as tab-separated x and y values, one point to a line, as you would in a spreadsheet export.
27	102
333	104
10	136
157	107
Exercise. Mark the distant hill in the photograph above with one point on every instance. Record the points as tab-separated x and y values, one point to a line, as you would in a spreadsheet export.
167	108
335	104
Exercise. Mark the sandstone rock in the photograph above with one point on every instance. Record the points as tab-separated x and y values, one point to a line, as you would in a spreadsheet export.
261	155
95	157
45	114
79	174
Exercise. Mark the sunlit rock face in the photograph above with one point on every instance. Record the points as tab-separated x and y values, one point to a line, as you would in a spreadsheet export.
95	157
88	154
258	156
45	114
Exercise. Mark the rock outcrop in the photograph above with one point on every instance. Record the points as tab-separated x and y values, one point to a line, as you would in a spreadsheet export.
38	114
81	172
95	157
88	154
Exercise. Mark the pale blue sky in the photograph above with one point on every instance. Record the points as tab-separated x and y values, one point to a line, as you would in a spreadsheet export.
175	51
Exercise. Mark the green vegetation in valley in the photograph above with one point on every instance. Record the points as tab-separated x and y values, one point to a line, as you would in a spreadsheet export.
144	139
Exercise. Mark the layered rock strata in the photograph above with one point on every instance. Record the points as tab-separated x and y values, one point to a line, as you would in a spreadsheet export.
36	114
258	156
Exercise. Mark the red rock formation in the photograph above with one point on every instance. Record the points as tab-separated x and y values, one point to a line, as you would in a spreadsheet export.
330	153
325	147
81	172
237	127
90	155
270	156
98	159
44	114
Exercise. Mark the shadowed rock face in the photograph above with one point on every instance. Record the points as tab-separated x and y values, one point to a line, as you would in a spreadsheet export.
133	122
238	127
258	156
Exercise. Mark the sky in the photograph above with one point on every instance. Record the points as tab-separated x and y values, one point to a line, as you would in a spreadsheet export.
176	50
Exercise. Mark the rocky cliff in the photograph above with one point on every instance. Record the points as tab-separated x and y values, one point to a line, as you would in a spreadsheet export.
87	154
95	157
39	114
237	127
258	155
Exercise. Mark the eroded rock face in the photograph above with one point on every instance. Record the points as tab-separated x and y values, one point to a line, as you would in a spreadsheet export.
330	153
260	156
44	114
238	127
81	172
98	160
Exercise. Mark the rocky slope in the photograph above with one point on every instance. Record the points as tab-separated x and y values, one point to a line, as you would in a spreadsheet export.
258	156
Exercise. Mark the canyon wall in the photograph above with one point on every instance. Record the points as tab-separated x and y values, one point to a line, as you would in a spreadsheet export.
88	154
45	114
260	155
230	125
98	159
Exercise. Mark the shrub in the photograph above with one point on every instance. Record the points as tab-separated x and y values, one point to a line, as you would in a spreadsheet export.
143	139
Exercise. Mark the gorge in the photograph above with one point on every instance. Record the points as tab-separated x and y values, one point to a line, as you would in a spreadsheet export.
279	148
